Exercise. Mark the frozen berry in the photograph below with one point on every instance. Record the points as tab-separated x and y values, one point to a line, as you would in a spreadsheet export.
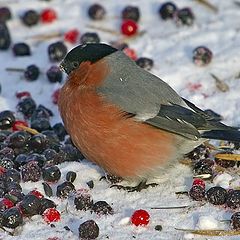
60	130
51	174
7	119
5	204
30	205
71	153
145	63
129	27
36	193
31	73
88	230
233	199
21	49
22	94
167	10
18	139
96	12
55	96
89	37
7	163
48	15
20	160
71	176
71	36
7	152
102	208
57	51
140	218
12	218
41	112
31	172
26	106
83	202
203	166
202	56
45	204
235	221
47	189
184	16
131	12
40	124
14	186
200	152
64	189
30	18
197	193
5	38
37	143
217	195
54	74
51	215
198	182
5	14
158	228
12	175
130	53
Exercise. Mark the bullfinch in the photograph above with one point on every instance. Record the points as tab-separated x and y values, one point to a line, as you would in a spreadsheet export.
127	120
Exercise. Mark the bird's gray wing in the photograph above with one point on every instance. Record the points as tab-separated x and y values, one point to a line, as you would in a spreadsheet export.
150	99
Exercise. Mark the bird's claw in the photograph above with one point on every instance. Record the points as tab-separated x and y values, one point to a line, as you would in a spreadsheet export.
138	188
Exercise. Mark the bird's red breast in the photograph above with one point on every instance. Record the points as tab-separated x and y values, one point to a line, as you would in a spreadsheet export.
121	145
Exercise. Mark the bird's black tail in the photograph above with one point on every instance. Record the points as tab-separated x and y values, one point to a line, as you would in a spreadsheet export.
226	135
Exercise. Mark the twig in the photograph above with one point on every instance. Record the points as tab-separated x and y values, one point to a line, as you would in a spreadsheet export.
219	232
228	156
171	207
208	5
220	84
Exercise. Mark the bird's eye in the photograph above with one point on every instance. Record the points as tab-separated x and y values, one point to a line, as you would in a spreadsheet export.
75	64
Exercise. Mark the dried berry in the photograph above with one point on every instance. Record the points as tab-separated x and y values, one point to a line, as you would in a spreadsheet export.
233	199
83	202
217	195
102	208
235	221
88	230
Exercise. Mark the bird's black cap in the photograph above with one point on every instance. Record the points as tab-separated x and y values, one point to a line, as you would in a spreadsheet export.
87	52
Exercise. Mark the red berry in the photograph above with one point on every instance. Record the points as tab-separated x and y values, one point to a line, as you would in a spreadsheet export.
129	27
51	215
55	96
71	36
2	170
36	193
20	95
130	53
18	123
140	218
198	182
7	203
48	15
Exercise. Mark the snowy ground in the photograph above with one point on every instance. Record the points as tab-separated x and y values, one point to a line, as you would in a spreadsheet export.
171	49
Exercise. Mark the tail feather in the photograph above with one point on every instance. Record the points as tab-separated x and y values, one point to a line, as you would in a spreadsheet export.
227	135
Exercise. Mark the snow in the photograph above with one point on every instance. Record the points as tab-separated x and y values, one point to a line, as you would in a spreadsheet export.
171	49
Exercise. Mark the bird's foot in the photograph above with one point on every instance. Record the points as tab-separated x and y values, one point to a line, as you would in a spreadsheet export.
142	185
111	178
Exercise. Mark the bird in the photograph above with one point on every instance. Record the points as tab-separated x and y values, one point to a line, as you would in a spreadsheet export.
127	120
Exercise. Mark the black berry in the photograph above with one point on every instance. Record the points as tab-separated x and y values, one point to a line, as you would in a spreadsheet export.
83	202
30	205
184	16
38	158
26	106
30	18
54	74
64	189
7	119
41	112
88	230
203	166
21	49
102	208
235	221
71	176
158	228
46	203
18	139
37	143
167	10
5	14
57	51
51	174
41	124
217	195
12	218
197	193
145	63
60	130
31	73
70	153
12	175
202	56
31	172
96	12
7	163
5	38
89	37
47	189
131	12
233	199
